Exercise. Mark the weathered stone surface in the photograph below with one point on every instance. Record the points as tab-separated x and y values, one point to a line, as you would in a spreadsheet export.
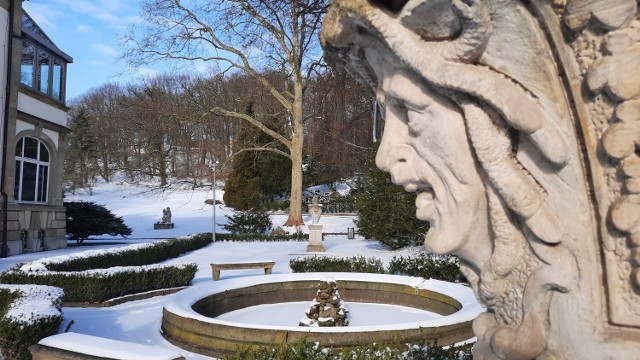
315	238
610	13
517	124
327	309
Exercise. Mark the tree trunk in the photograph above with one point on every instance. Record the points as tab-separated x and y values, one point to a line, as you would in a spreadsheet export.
295	205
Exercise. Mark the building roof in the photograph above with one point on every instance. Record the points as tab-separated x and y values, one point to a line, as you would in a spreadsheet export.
31	28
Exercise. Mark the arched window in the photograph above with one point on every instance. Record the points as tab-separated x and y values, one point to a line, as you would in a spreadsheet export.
32	171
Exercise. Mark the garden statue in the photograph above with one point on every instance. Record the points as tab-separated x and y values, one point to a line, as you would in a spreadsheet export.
516	124
315	210
165	223
166	216
315	228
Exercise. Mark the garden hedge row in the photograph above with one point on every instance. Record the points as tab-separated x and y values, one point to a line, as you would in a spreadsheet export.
93	286
312	351
21	328
333	264
261	237
96	276
428	266
133	256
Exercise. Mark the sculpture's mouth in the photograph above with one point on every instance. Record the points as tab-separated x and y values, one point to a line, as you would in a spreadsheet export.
425	208
419	189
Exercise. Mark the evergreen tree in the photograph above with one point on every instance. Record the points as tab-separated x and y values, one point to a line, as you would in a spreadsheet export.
85	219
248	222
257	175
80	152
385	211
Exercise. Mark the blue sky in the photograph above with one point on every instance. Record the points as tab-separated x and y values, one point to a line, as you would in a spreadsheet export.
88	31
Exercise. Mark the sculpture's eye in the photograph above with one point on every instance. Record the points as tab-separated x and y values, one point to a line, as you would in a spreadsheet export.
418	118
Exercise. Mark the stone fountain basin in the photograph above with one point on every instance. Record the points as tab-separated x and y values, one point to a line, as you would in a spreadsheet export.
189	316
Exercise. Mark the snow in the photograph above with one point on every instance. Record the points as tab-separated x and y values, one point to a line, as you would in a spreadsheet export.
40	304
180	303
107	348
139	321
360	314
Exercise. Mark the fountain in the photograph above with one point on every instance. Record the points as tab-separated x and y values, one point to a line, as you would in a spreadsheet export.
194	319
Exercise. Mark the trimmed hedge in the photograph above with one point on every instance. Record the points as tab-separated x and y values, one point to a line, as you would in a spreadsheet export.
93	286
313	351
84	278
152	254
331	264
261	237
428	266
17	334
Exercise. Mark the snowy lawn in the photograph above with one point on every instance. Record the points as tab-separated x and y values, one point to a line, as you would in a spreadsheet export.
139	321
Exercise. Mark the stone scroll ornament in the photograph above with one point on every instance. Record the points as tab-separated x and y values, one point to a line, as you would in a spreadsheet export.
517	124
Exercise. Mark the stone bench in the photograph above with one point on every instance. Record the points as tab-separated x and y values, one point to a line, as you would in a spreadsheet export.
73	346
266	265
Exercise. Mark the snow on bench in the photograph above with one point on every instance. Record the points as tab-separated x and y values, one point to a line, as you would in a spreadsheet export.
266	265
71	345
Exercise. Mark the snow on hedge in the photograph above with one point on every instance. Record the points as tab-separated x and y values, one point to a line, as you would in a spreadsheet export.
41	264
36	302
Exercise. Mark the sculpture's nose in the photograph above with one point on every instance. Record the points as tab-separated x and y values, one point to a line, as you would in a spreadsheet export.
393	149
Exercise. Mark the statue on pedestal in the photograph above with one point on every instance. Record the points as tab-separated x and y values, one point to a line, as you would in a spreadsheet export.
165	223
166	215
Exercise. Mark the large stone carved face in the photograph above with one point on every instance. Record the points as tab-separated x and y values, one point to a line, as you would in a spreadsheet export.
426	150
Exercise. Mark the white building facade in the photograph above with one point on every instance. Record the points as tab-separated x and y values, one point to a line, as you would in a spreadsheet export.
34	119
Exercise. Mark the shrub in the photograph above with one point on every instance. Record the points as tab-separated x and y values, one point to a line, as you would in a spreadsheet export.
331	264
83	283
17	333
261	237
94	286
428	266
135	255
313	351
252	221
85	219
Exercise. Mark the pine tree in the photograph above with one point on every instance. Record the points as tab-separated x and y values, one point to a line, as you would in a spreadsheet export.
385	211
256	176
85	219
80	153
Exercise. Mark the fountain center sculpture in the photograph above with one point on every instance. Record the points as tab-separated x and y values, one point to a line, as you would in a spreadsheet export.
327	308
516	123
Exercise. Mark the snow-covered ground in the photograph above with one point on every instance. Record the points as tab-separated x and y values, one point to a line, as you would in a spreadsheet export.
139	321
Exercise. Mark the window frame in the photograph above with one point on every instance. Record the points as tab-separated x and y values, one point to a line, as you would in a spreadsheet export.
40	185
53	60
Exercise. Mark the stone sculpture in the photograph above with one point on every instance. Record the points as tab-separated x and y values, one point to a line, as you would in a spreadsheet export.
315	210
517	125
315	228
327	309
166	216
165	223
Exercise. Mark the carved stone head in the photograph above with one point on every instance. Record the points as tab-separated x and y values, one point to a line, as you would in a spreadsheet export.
484	119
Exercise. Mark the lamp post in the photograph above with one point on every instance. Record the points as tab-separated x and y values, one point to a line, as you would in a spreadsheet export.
213	190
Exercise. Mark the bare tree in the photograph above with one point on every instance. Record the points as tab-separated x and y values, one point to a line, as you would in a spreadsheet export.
102	107
245	35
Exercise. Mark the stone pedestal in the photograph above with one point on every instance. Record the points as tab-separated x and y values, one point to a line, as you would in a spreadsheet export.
162	226
315	238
